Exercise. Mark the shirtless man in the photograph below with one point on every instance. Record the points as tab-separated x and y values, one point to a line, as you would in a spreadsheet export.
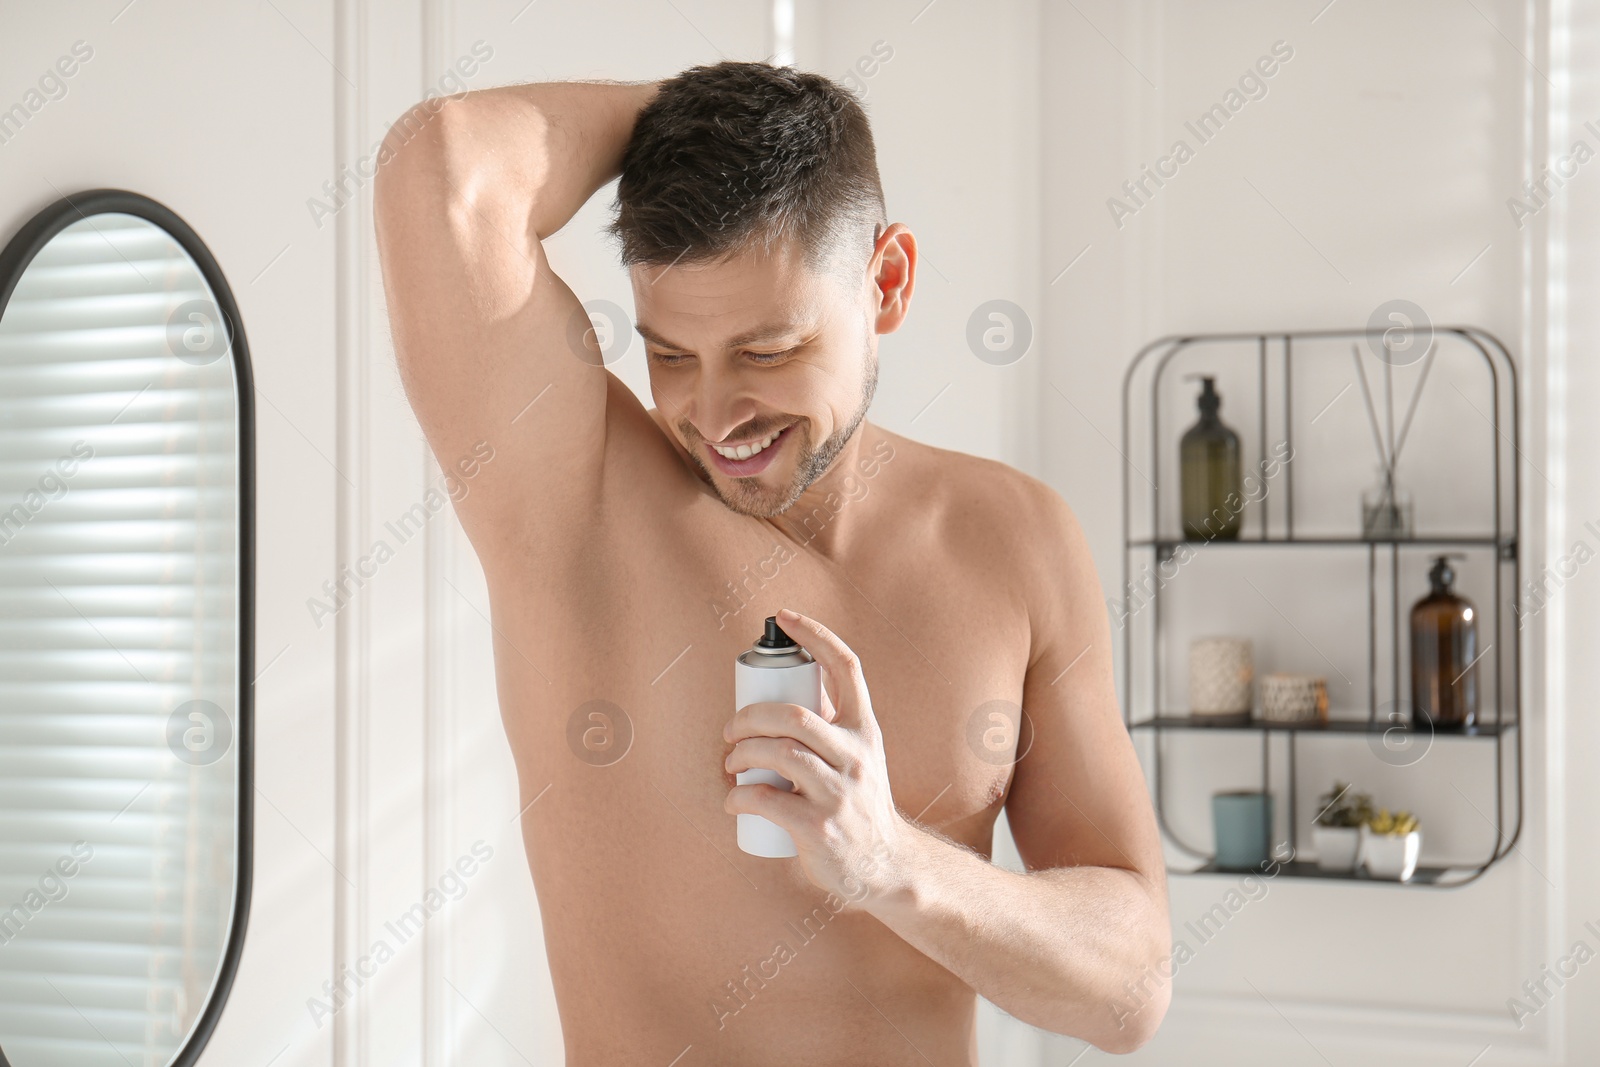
628	563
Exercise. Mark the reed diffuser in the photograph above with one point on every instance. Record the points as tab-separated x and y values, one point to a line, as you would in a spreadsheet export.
1386	510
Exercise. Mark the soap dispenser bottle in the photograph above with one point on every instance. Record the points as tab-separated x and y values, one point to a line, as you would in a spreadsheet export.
1444	653
1209	459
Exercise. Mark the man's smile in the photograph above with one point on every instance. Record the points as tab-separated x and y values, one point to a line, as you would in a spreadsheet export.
749	459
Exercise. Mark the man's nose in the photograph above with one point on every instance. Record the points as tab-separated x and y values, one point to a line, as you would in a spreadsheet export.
720	404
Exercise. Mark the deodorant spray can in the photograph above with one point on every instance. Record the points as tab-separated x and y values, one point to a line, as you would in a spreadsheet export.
773	670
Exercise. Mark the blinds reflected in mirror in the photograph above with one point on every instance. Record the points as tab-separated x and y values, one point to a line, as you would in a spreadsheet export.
119	609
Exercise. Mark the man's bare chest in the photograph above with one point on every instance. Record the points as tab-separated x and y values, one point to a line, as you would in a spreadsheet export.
639	675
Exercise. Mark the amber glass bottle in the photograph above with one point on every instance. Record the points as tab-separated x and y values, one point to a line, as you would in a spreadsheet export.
1444	651
1209	457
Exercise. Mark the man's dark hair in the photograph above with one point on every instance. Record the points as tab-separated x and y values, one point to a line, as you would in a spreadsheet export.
744	155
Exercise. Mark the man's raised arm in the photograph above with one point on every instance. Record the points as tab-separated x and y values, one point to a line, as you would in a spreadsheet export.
483	330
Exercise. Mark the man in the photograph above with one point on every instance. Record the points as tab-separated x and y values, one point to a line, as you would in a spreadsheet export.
632	554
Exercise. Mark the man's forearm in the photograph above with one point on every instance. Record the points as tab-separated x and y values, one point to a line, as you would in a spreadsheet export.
1082	951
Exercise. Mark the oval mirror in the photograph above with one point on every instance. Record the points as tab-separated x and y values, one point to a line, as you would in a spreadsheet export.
125	636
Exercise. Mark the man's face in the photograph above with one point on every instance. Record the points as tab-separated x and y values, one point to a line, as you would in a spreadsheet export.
756	345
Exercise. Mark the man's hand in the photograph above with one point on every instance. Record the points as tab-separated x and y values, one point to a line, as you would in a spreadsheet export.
841	814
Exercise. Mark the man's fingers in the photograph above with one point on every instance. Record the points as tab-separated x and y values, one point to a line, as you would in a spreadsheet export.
766	719
839	663
784	809
827	711
808	771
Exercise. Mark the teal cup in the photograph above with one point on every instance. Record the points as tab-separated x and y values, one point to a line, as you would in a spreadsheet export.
1244	830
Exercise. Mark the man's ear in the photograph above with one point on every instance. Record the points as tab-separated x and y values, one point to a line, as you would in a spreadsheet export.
893	272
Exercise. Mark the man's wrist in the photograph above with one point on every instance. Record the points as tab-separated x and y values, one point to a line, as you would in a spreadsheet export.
898	879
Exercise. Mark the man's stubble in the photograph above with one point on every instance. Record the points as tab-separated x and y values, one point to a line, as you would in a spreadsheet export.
814	462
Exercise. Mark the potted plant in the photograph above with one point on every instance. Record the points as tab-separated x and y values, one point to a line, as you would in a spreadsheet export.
1337	830
1391	844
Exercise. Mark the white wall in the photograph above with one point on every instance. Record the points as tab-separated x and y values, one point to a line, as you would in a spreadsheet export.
1571	332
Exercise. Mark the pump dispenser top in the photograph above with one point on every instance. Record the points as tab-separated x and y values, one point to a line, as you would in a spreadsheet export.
1442	575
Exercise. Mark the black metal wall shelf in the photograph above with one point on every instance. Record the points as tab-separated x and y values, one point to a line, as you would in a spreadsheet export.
1506	545
1435	876
1332	726
1276	357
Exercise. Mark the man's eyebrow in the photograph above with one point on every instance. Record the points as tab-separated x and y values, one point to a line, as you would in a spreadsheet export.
759	335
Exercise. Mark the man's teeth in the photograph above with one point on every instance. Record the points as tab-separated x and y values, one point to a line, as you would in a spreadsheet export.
746	451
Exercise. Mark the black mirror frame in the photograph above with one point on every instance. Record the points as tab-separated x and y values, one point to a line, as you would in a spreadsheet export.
14	259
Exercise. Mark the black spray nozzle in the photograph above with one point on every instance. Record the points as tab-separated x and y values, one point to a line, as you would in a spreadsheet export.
774	636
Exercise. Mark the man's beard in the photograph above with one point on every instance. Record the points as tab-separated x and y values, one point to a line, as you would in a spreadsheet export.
748	497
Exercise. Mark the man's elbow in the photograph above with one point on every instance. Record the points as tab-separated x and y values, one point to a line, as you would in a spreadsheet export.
1142	993
1133	1022
421	149
1125	1022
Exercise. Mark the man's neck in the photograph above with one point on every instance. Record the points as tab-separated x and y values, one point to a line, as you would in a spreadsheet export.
831	515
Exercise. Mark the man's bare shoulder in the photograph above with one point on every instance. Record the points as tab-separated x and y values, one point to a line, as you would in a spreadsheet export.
1008	525
990	500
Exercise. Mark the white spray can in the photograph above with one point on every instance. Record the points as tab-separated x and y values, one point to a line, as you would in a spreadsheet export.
773	670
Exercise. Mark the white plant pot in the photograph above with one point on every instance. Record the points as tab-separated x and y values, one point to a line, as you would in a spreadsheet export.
1337	846
1391	856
